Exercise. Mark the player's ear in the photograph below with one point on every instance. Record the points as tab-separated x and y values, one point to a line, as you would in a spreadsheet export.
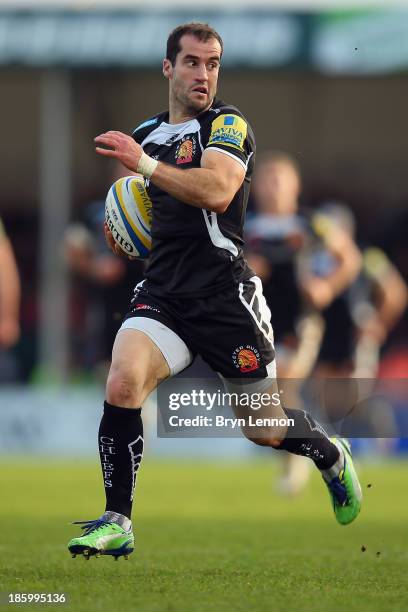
167	68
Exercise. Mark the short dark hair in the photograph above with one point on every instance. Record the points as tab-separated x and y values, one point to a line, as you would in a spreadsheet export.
202	31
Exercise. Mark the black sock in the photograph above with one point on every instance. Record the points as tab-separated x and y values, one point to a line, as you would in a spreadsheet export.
120	443
307	438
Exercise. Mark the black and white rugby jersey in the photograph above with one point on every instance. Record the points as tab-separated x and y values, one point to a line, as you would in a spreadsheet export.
196	252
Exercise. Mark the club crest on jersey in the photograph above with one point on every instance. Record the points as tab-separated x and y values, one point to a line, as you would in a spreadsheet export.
246	358
186	150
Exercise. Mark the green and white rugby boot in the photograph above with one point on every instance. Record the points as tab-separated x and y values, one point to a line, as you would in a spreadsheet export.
344	488
103	536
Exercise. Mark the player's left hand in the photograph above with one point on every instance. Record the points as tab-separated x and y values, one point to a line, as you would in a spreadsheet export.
121	147
114	247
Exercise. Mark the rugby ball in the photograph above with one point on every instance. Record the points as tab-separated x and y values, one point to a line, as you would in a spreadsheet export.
128	215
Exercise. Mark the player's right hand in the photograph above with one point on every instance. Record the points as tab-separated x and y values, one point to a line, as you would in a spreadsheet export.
114	247
119	146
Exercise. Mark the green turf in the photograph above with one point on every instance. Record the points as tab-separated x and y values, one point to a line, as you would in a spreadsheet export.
208	537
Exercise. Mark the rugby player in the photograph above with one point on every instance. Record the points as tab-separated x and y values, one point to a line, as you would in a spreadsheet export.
361	318
357	325
197	159
283	241
10	293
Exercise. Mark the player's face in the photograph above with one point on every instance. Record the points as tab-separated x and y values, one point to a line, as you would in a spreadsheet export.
193	78
276	188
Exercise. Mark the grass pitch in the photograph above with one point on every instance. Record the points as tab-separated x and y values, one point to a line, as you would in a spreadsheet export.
208	537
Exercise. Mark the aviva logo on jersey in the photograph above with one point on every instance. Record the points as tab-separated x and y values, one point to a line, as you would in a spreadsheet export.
229	130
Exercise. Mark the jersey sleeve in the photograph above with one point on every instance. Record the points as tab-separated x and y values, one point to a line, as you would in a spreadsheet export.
231	134
144	128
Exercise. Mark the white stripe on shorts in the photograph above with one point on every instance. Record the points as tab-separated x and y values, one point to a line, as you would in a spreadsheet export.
264	312
174	349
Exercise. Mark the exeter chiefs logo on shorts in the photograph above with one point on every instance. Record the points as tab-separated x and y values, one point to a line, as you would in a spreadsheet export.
246	358
186	150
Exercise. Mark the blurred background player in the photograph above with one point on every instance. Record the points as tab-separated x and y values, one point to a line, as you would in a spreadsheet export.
282	242
357	325
359	321
9	307
100	288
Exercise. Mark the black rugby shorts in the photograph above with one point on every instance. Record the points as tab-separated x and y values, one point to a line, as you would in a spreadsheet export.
231	330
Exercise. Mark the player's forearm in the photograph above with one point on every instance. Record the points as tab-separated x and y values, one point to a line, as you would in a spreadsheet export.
199	187
211	187
349	265
392	300
9	284
344	275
